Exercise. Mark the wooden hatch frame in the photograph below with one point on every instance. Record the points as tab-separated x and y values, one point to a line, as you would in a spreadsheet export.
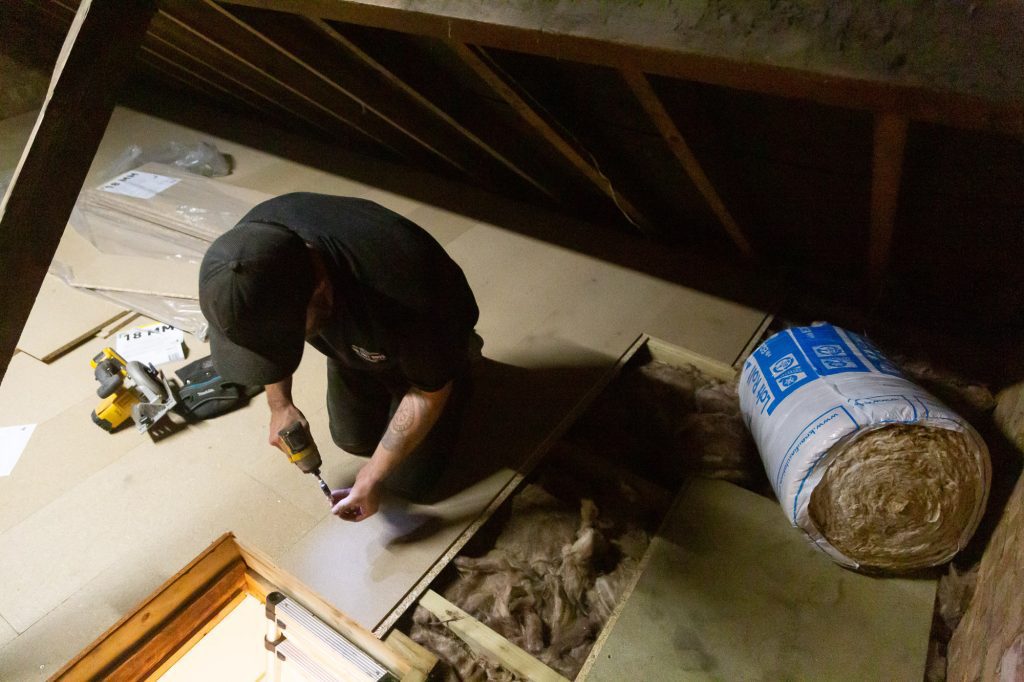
148	640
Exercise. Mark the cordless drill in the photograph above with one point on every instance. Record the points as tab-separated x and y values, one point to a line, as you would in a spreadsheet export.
298	444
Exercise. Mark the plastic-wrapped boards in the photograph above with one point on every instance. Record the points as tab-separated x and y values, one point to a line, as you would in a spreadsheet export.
879	473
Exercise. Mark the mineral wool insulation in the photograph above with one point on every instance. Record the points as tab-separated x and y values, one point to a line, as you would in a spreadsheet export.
573	538
878	473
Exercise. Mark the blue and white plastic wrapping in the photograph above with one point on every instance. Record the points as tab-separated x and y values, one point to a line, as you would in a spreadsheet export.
807	393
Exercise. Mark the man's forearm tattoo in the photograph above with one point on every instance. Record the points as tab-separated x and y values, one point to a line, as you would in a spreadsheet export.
401	423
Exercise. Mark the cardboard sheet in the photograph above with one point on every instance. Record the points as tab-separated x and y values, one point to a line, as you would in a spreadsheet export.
62	317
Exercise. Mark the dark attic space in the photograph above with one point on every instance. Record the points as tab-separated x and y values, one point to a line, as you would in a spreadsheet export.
596	340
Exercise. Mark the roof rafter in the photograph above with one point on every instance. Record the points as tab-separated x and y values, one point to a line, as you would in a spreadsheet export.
656	111
424	102
477	60
92	65
965	93
890	141
275	34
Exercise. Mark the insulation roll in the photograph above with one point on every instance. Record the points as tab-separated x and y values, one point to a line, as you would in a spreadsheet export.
876	471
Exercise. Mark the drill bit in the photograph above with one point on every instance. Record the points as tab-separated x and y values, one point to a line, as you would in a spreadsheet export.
323	485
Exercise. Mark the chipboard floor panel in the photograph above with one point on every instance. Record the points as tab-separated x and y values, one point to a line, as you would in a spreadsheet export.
100	520
731	591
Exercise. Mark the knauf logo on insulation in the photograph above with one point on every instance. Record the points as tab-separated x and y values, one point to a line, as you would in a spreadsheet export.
781	368
796	357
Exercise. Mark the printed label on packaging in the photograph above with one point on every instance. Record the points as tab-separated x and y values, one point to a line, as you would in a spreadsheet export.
139	185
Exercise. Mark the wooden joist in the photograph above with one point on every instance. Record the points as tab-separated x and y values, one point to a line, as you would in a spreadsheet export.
501	84
178	43
161	68
130	633
96	55
422	659
327	56
487	643
418	62
187	626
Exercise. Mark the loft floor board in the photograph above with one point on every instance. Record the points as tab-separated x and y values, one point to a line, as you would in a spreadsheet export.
731	591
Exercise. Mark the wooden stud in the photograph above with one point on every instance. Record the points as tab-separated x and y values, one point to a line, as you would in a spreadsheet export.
655	109
887	166
486	642
154	51
159	50
521	28
502	86
93	63
397	83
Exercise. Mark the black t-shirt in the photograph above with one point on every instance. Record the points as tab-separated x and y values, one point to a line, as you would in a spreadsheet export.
401	304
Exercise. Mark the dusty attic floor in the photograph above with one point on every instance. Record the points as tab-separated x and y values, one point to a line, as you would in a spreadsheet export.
91	523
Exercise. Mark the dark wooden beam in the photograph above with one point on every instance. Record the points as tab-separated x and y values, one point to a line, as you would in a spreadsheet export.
656	111
503	87
290	50
887	167
966	90
429	67
178	42
152	64
247	58
90	70
414	96
170	61
319	56
185	69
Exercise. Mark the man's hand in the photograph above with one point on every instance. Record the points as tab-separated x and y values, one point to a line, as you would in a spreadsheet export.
281	418
359	502
283	412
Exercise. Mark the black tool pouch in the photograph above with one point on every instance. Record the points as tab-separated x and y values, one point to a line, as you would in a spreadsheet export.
205	394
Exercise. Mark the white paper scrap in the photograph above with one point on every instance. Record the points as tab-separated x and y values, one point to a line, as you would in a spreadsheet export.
13	440
139	185
155	344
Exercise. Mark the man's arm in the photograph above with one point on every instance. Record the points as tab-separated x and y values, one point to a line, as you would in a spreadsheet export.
416	415
282	410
